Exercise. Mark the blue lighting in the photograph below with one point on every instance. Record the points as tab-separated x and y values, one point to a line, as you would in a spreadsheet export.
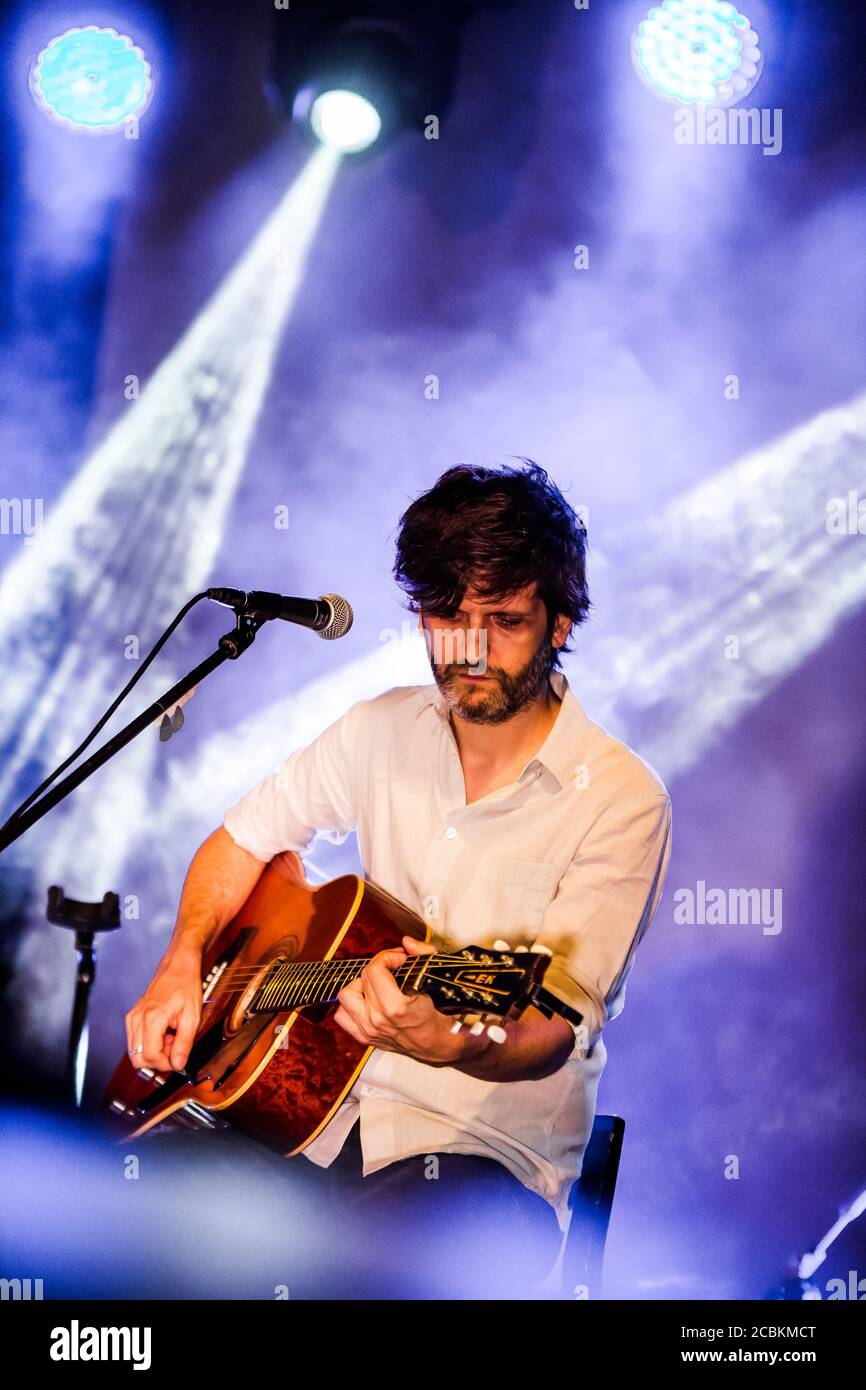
697	52
91	79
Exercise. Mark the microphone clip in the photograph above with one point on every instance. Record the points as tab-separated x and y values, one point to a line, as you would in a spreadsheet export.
236	642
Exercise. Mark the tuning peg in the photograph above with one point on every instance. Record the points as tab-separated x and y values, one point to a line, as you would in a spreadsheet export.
501	945
477	1028
496	1033
541	950
521	948
457	1025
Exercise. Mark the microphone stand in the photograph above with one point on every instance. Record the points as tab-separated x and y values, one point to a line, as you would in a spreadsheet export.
229	648
86	919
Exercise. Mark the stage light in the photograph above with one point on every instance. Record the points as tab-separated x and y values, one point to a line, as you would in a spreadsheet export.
353	81
91	79
345	121
359	85
697	52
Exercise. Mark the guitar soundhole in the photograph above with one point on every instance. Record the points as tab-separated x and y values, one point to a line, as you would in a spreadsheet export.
285	951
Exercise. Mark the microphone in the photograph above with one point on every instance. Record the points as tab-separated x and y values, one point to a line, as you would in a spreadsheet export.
329	616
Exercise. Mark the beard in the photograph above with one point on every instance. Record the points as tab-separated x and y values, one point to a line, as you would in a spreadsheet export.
504	696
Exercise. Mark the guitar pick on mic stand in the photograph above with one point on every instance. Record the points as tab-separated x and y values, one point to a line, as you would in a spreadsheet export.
330	617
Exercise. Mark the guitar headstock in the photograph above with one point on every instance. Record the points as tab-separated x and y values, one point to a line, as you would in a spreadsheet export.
480	983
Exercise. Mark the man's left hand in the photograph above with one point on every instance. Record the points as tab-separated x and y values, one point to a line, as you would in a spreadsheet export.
375	1012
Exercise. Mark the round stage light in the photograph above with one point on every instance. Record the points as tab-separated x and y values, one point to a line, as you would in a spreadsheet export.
701	52
357	87
91	79
345	121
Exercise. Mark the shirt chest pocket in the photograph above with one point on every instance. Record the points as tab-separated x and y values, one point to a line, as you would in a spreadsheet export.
516	893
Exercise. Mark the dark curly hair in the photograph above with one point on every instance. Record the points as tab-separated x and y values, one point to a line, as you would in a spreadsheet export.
496	530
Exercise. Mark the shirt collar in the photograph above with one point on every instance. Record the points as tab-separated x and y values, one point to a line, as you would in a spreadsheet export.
562	751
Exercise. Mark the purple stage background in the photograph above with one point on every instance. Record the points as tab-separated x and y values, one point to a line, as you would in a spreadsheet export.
707	507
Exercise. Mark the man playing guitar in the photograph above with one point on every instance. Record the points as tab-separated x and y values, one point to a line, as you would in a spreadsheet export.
493	806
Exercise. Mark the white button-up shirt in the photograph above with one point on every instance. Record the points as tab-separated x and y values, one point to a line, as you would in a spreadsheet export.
571	855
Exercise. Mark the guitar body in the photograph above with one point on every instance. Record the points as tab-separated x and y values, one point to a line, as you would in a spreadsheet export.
282	1075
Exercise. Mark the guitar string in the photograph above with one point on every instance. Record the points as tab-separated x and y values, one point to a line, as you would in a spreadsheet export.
287	982
284	992
344	973
248	975
267	980
440	957
280	989
432	962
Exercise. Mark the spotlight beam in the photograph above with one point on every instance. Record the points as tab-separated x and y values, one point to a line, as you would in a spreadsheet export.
141	522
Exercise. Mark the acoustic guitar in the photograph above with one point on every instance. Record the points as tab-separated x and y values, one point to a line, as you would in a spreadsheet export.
268	1057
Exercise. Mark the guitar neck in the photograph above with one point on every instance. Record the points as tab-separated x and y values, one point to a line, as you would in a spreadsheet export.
453	979
293	984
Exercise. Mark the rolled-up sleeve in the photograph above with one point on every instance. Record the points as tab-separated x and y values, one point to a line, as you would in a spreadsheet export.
605	901
313	792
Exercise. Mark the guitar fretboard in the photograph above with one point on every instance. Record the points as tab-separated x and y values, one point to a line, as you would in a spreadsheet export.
293	984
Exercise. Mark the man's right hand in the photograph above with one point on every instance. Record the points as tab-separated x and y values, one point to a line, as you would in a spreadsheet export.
164	1021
